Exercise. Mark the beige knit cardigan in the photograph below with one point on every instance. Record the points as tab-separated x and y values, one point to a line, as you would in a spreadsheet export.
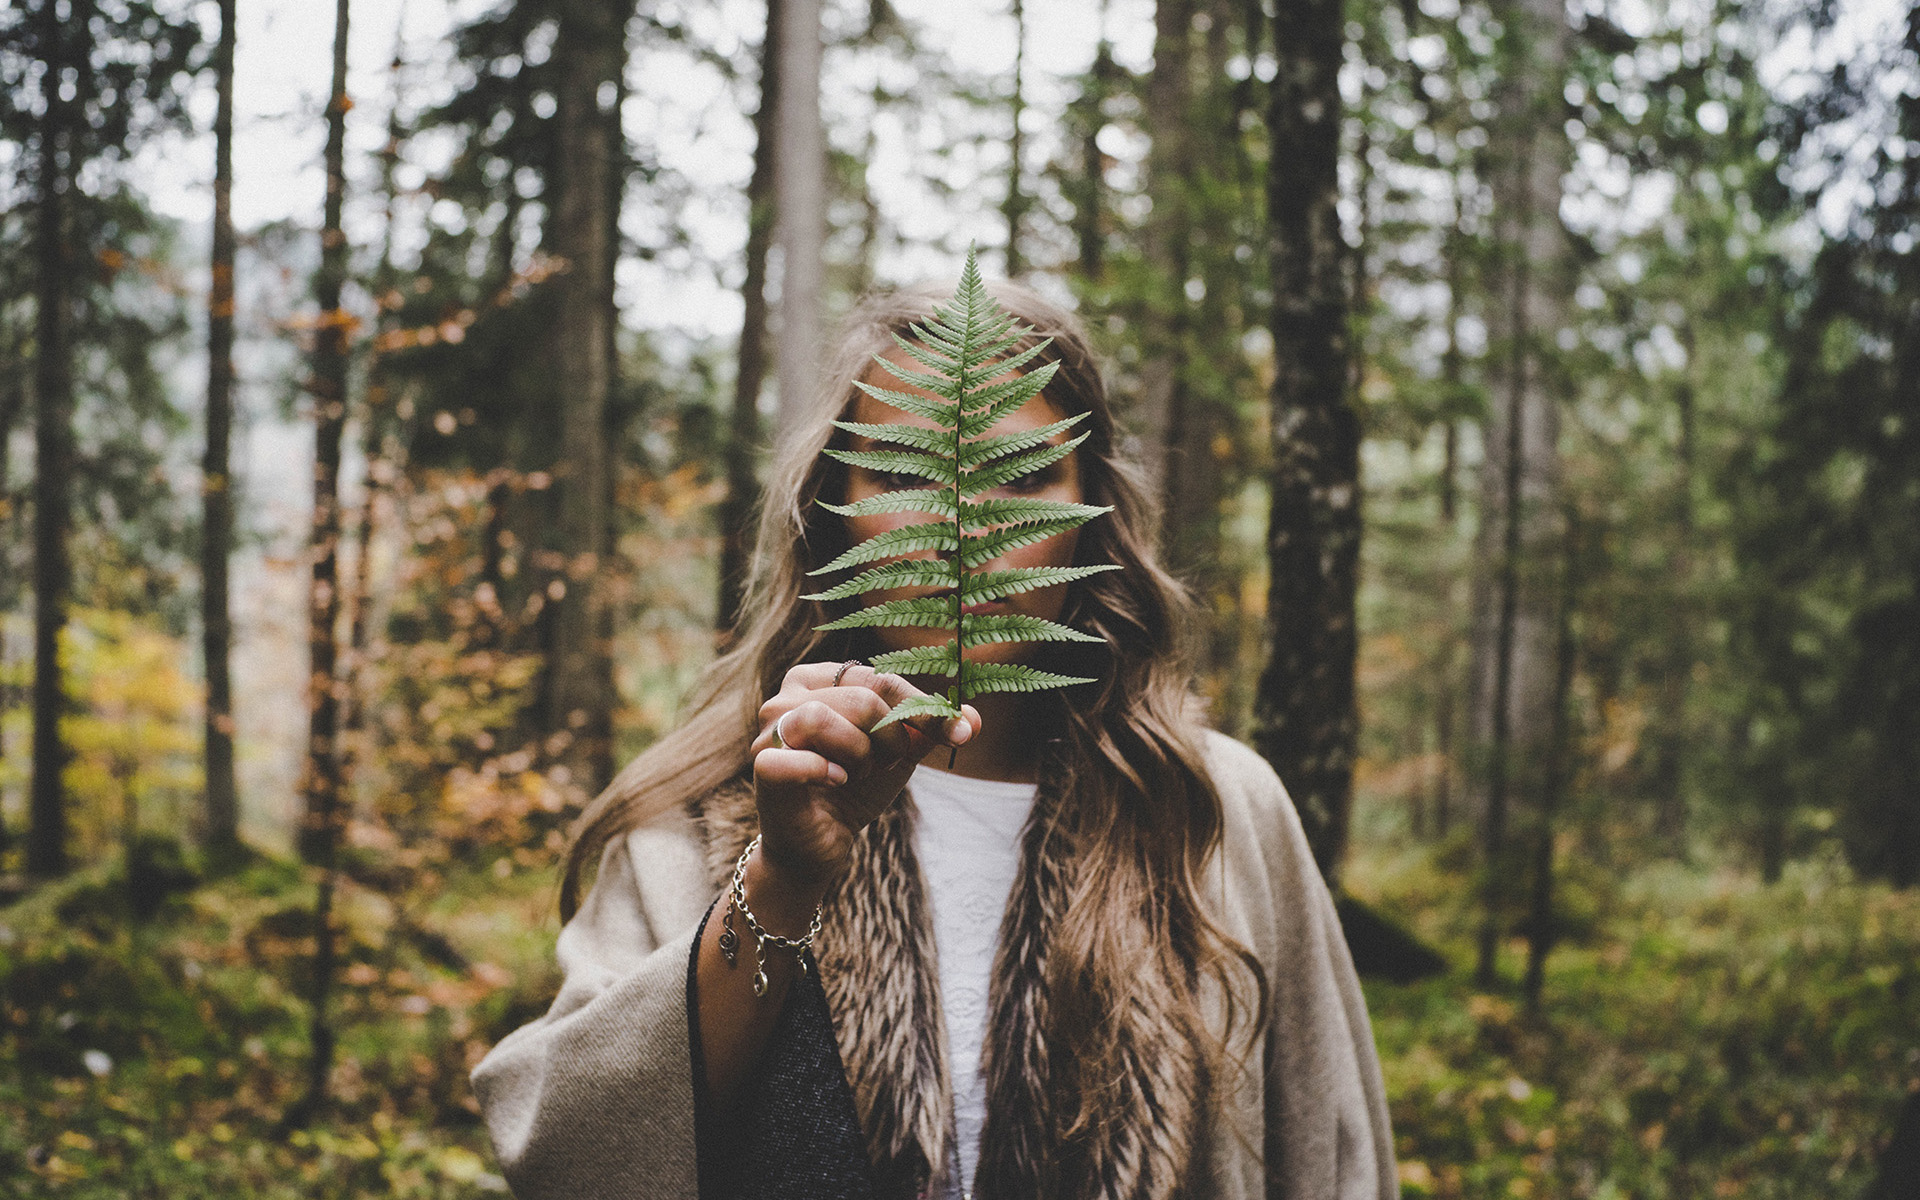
595	1099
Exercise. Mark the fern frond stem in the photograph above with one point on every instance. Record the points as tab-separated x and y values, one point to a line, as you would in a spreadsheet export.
966	358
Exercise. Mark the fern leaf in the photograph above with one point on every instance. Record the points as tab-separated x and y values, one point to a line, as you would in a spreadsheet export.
933	383
926	612
995	400
940	414
933	362
919	660
896	462
989	546
919	706
983	678
908	539
915	499
1014	466
953	348
1015	627
911	572
998	585
1005	510
946	336
1002	366
974	454
916	437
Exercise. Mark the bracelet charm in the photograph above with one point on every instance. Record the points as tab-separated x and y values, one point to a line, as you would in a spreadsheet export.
730	942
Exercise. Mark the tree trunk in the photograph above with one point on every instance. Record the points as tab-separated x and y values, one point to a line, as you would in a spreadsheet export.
1361	293
1445	687
743	431
53	448
1513	636
221	835
1304	713
1452	383
1088	191
1164	392
13	402
1559	774
320	831
1452	360
591	46
1668	776
376	464
1212	435
1014	208
1188	419
1452	412
800	182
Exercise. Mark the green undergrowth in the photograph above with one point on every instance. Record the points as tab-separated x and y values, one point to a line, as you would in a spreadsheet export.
157	1056
1702	1034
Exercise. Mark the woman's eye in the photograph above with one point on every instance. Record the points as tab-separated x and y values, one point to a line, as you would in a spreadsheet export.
896	480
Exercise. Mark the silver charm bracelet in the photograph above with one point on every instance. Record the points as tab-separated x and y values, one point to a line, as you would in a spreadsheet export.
730	941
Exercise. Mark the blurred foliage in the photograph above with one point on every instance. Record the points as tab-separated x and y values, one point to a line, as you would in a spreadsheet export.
1705	1034
156	1059
1730	1008
134	729
449	686
136	733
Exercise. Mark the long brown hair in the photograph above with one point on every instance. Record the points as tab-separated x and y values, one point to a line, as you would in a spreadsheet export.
1136	802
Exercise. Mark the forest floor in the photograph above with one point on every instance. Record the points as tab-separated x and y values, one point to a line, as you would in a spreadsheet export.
1703	1035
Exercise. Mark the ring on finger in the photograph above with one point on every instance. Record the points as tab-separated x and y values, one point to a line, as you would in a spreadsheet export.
841	673
779	737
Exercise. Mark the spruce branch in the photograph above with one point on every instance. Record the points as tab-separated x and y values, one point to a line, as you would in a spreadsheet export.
964	356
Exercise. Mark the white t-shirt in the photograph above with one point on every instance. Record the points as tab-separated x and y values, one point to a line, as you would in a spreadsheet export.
967	837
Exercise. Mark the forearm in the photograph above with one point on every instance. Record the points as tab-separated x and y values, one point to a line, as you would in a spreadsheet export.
735	1024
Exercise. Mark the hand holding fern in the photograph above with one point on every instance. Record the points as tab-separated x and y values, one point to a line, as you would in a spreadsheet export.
836	772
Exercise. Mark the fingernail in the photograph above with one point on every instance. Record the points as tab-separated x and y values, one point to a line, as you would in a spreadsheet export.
962	731
836	774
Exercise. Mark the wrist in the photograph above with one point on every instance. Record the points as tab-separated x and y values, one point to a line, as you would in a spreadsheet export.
784	897
797	877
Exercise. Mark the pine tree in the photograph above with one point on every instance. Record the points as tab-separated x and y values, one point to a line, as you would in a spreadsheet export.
800	189
320	829
1513	642
222	832
591	47
743	429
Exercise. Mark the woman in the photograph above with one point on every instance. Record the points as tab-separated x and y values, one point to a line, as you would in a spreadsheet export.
1083	953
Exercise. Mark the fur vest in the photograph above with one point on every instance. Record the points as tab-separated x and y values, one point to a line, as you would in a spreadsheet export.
878	969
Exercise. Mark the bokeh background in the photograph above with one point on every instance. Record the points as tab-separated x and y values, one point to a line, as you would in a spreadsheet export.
1531	391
